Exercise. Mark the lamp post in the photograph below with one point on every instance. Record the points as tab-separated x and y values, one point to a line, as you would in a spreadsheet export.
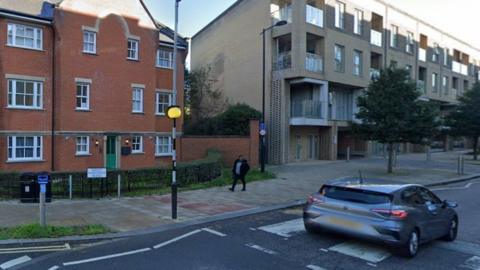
174	112
262	124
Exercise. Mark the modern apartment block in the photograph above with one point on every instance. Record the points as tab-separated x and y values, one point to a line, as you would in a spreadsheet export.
319	63
84	84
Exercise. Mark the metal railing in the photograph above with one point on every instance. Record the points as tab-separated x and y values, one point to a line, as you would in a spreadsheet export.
307	109
283	14
422	54
314	16
283	61
314	62
376	38
421	86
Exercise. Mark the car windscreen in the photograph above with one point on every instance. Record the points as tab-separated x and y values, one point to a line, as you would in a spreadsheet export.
355	195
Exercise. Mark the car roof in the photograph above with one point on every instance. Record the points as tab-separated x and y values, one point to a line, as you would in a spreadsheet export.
370	184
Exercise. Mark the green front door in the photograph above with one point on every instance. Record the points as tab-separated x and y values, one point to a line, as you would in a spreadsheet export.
111	152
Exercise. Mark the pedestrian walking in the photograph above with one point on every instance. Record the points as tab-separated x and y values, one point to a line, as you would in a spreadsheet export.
239	171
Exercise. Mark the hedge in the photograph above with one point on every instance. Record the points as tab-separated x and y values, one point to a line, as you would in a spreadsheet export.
137	180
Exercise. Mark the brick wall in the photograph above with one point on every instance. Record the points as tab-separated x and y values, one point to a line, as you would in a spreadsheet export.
196	147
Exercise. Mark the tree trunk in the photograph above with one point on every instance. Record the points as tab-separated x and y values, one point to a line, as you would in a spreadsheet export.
390	158
475	148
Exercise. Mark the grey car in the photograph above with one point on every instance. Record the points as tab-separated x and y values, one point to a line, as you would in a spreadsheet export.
399	215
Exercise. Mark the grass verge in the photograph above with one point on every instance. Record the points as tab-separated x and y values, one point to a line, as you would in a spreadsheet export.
34	231
224	180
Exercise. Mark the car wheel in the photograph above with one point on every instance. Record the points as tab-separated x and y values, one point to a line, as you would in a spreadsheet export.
310	228
410	248
452	231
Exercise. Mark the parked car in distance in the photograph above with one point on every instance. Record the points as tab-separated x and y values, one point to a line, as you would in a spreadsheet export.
402	216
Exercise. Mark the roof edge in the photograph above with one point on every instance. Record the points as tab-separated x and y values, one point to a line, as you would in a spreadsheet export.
25	16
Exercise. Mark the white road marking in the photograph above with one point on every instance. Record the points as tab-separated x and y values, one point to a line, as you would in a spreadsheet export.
214	232
467	186
253	229
262	249
366	252
176	239
66	246
472	263
107	257
285	229
314	267
14	262
324	250
460	246
372	264
53	267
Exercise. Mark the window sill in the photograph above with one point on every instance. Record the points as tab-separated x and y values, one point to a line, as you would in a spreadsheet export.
90	53
164	155
169	68
141	113
160	114
25	108
25	48
83	155
83	110
138	153
133	59
25	161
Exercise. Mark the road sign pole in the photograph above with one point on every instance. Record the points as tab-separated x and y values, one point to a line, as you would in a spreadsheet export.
43	220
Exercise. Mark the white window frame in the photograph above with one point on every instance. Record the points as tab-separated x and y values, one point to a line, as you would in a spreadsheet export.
37	94
394	36
436	53
358	22
159	145
86	34
12	35
157	102
133	46
164	58
357	66
82	145
409	69
339	50
445	80
340	15
409	47
12	147
82	96
137	99
137	140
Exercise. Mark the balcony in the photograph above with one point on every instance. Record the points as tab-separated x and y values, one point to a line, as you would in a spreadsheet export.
422	54
376	38
314	16
281	14
307	109
374	73
459	68
314	63
283	61
421	86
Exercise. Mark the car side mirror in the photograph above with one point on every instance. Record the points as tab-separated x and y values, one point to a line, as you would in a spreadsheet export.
450	204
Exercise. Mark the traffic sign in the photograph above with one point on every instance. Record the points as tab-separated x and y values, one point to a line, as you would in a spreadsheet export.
97	173
42	179
263	132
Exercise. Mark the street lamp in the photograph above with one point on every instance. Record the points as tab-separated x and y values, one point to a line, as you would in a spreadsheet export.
262	124
174	113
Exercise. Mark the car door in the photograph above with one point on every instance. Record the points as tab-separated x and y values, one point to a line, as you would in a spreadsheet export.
417	211
435	212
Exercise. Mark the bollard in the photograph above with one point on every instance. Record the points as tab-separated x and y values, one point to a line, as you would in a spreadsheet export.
348	154
43	214
70	188
429	153
463	165
458	165
119	182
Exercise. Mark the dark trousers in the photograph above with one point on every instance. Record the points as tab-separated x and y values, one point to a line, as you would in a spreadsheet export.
235	179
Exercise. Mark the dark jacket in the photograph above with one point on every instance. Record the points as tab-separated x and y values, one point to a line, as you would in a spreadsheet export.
244	168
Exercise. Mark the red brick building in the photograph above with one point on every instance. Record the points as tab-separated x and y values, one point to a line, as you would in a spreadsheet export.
85	83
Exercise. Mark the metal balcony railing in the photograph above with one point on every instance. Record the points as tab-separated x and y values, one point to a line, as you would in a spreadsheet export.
307	109
283	14
314	62
374	73
283	61
314	16
459	68
421	86
376	38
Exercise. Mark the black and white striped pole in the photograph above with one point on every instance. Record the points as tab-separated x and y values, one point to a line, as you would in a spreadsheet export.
174	112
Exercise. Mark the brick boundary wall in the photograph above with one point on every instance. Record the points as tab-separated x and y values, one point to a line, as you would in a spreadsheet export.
196	147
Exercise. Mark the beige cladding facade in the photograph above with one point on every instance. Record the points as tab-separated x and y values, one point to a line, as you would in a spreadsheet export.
320	62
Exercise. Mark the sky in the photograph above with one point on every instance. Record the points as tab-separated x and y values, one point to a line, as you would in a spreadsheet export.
457	17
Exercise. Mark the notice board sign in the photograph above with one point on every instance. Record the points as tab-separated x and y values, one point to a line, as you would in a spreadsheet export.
97	173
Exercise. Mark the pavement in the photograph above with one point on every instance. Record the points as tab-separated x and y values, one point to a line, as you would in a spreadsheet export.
293	183
270	240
